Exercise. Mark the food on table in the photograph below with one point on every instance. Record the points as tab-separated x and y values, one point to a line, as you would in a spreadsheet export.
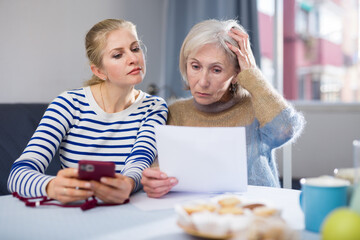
254	205
228	216
265	211
229	201
342	223
199	208
231	210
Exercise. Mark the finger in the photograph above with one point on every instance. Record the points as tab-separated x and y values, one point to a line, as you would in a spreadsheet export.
68	172
95	186
157	190
117	182
236	50
154	173
75	183
238	31
241	40
107	189
247	45
111	198
160	190
72	183
151	183
76	193
99	189
109	194
157	194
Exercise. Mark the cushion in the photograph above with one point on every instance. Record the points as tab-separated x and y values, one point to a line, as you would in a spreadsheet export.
17	125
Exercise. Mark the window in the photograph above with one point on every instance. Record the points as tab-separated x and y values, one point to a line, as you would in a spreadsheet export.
321	48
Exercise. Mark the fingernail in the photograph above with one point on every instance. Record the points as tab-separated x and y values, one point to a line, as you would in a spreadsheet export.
104	180
163	175
172	181
87	185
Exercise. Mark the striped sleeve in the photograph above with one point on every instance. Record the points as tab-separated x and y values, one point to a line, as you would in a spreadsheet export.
144	150
27	173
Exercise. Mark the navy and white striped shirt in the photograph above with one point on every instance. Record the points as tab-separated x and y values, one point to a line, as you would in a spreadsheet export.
81	130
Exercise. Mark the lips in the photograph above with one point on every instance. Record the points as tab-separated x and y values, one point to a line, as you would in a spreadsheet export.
135	71
200	94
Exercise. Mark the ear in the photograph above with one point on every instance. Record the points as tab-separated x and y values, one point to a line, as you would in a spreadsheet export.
97	72
234	79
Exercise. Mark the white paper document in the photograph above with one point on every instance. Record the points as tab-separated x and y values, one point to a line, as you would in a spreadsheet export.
203	159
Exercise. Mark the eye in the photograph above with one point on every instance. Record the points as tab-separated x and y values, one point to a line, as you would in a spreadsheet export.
117	56
136	49
195	66
217	70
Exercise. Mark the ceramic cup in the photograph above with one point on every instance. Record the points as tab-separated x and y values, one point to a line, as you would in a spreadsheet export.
319	196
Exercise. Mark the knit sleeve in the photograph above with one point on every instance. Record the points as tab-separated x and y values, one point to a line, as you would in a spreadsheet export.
279	121
27	173
266	101
144	150
288	125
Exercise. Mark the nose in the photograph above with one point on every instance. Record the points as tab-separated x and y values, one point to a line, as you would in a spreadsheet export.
204	80
133	58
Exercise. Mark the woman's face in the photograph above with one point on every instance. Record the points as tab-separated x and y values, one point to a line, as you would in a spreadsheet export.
123	59
209	74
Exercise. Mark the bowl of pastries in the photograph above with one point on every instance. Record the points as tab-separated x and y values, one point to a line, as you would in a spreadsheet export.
232	217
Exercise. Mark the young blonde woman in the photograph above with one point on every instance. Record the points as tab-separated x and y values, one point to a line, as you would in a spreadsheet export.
228	90
107	120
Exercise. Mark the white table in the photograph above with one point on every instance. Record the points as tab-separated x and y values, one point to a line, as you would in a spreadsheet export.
142	218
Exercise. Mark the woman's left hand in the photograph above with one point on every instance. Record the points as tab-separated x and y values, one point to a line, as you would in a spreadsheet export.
113	190
244	54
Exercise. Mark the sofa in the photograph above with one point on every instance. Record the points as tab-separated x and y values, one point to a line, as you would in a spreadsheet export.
17	124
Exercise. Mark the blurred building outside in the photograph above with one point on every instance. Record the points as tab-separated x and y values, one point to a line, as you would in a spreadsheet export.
320	46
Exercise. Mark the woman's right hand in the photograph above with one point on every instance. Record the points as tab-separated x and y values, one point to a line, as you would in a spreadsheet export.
156	183
66	188
244	53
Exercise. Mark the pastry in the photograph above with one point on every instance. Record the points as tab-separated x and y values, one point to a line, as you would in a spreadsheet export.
199	208
229	202
231	210
265	211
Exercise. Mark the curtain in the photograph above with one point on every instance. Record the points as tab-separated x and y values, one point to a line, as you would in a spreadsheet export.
181	15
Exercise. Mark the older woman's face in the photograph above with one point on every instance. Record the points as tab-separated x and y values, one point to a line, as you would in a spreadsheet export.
209	73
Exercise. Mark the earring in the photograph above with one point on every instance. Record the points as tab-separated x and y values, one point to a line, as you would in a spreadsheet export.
233	88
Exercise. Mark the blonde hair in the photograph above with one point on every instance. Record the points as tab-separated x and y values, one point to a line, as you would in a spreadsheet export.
95	42
205	32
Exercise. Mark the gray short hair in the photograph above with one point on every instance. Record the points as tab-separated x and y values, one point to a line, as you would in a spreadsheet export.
205	32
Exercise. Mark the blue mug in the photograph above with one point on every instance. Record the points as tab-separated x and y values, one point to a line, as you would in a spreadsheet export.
320	196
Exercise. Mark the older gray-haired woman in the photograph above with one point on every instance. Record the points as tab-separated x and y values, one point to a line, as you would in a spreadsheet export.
229	90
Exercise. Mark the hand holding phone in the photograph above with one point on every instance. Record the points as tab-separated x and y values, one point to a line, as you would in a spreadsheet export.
94	170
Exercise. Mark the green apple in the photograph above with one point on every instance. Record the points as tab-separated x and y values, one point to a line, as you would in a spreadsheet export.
341	224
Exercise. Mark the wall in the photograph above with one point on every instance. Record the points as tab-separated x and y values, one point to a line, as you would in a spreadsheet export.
42	54
42	43
326	143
